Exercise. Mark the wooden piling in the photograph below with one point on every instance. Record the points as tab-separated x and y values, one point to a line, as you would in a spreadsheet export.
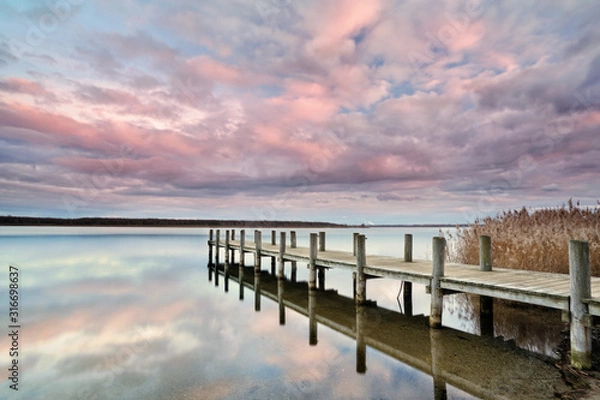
293	245
256	290
485	253
281	266
321	241
232	259
361	263
312	273
242	264
486	303
257	250
273	238
227	233
210	247
354	239
406	285
217	239
437	297
580	285
408	247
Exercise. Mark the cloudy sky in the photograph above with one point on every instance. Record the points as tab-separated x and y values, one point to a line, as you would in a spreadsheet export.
348	111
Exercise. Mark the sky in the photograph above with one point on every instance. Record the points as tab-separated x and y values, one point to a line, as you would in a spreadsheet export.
379	111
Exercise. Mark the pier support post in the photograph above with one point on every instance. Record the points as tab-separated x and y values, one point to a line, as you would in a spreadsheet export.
321	241
312	273
231	248
408	247
226	266
361	263
281	266
407	286
273	259
581	334
293	245
361	345
321	271
486	303
217	239
242	262
437	297
210	247
354	240
257	250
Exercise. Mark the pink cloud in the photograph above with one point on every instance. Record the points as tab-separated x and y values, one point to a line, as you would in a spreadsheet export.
20	85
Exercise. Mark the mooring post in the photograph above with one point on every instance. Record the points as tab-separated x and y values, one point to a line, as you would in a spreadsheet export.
231	248
354	240
408	247
321	241
242	262
217	239
486	303
361	263
361	344
227	233
437	297
257	250
312	273
210	247
407	285
273	259
580	284
281	266
312	318
485	253
293	245
242	244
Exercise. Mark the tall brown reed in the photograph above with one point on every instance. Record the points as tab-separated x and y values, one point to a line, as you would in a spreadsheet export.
532	240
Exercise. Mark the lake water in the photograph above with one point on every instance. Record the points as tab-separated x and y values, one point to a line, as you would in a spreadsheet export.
130	313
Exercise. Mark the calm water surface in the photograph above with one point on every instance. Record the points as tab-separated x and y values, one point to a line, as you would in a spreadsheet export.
129	313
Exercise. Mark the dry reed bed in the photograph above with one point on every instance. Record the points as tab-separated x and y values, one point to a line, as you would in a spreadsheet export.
536	240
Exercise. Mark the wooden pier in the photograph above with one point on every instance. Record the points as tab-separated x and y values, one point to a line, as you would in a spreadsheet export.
576	294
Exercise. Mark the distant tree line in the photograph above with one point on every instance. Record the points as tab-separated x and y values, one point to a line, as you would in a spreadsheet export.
10	220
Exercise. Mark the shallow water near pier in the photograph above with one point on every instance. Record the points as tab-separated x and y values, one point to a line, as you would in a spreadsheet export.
136	313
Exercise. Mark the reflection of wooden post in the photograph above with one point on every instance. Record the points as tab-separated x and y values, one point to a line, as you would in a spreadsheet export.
361	263
312	318
280	289
437	297
280	270
361	345
321	278
312	273
242	262
581	334
486	303
293	245
257	250
439	384
210	272
407	289
210	247
321	241
256	290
